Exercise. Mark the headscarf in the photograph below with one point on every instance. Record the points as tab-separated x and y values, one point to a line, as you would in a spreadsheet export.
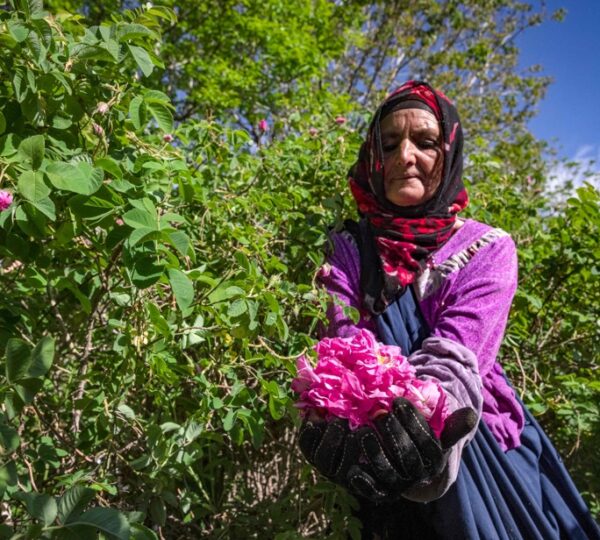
396	241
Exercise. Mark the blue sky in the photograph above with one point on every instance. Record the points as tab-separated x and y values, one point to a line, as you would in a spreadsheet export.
570	53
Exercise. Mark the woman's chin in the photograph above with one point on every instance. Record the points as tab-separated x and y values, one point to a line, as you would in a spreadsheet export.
407	197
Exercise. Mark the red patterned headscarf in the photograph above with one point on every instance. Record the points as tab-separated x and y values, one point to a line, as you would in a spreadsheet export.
396	241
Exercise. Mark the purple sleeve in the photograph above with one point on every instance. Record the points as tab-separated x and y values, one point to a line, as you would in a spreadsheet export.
455	368
340	275
475	311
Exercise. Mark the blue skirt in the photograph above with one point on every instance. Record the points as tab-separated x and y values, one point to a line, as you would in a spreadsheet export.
523	494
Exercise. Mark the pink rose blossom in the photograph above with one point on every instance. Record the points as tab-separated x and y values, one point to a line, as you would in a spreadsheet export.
167	137
358	378
324	271
102	107
6	200
263	125
340	120
313	131
97	129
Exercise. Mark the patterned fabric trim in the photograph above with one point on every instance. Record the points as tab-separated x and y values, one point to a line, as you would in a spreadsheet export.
431	278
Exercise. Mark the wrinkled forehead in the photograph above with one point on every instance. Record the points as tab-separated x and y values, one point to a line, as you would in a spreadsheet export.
402	104
412	119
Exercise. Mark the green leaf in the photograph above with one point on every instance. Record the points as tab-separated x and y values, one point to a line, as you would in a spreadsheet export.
276	408
139	532
35	8
32	149
137	111
127	31
237	308
2	123
217	403
18	359
142	59
167	427
106	520
156	96
141	219
18	31
20	85
60	122
126	411
183	288
42	357
32	187
180	242
9	144
113	48
229	420
145	234
97	207
9	439
159	322
73	501
46	207
162	115
39	505
158	512
146	271
225	293
79	178
8	476
110	166
192	431
26	389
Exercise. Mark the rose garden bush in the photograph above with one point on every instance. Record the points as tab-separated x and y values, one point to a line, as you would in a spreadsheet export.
157	287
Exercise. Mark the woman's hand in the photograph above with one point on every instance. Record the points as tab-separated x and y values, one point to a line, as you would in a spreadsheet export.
403	451
329	446
379	464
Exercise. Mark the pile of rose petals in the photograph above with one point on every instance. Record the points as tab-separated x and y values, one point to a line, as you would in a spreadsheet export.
358	378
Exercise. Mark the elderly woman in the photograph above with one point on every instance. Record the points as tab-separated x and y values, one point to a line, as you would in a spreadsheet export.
440	287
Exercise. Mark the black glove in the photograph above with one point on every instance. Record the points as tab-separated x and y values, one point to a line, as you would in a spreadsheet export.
330	447
402	450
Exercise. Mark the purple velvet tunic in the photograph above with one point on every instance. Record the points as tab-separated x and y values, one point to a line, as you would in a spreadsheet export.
465	295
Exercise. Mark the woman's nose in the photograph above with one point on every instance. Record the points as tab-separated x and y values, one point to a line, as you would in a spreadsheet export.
406	152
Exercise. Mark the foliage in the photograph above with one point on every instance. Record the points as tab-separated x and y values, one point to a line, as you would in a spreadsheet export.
158	276
242	61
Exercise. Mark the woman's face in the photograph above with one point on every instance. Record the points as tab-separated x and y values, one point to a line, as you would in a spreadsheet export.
413	157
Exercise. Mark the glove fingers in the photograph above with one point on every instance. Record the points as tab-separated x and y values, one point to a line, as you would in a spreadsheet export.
457	425
329	450
363	484
399	446
421	434
380	466
350	456
309	438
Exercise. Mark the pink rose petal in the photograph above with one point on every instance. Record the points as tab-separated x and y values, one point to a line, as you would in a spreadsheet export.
358	378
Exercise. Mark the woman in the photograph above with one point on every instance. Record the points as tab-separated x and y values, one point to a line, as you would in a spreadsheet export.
440	287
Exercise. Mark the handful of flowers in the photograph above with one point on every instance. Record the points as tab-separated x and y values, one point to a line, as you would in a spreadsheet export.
358	378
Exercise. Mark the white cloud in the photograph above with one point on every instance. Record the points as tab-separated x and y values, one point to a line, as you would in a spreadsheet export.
584	166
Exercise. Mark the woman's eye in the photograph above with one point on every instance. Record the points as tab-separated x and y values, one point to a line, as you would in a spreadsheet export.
389	147
428	143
